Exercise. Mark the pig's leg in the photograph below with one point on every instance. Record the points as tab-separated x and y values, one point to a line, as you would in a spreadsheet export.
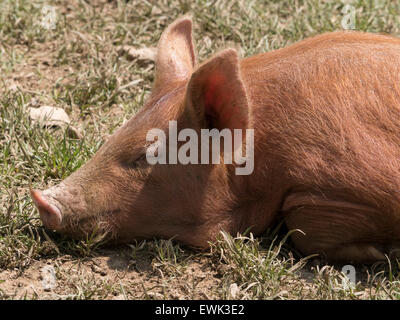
339	230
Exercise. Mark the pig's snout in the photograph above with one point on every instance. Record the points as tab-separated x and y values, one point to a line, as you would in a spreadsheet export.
49	213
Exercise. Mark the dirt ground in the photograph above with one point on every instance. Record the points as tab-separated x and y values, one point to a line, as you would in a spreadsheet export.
112	276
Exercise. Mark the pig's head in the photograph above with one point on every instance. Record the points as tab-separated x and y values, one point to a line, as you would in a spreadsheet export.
120	192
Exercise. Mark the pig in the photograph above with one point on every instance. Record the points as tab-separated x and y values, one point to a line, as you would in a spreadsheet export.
326	118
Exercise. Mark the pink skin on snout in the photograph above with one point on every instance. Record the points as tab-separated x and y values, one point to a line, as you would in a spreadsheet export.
49	213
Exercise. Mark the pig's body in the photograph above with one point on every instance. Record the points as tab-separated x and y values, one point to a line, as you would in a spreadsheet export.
326	115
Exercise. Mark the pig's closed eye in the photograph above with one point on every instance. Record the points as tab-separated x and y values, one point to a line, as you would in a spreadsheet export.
141	161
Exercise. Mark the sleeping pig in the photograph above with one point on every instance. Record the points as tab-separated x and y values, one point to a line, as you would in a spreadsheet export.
314	127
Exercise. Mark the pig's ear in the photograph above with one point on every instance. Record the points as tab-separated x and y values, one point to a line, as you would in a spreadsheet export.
217	93
176	56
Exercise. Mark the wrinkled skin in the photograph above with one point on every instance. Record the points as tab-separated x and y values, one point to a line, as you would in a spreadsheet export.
326	115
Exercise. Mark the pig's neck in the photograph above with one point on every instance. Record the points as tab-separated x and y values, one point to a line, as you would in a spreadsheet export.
257	198
236	204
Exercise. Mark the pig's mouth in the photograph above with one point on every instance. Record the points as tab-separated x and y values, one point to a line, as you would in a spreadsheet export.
48	209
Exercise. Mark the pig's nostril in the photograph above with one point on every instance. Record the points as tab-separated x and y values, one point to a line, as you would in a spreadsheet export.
50	214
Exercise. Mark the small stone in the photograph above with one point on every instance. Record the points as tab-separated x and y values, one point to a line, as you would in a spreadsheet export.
49	116
155	11
49	280
234	290
141	54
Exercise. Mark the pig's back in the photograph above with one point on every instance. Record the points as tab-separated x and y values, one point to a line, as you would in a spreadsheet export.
328	110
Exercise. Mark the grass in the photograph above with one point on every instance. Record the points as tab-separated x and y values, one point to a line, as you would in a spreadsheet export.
77	66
